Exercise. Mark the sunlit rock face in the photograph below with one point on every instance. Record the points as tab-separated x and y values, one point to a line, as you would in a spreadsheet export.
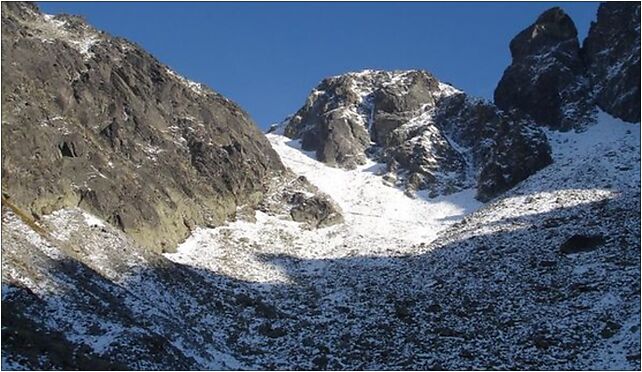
94	121
430	135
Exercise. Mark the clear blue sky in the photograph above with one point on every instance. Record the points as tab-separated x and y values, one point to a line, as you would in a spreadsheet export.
268	56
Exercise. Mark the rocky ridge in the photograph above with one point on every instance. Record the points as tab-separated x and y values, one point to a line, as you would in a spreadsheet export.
431	136
104	126
612	56
546	79
559	83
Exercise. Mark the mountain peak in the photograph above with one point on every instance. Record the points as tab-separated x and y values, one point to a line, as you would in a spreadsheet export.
558	84
428	133
612	56
552	28
545	79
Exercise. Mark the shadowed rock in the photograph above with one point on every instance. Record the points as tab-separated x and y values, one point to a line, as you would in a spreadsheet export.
581	243
546	77
612	55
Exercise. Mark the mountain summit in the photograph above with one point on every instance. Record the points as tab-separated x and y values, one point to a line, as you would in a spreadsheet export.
430	135
546	79
612	56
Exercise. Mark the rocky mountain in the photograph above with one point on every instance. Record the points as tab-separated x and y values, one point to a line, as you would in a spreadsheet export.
94	121
431	136
434	137
558	83
147	224
612	56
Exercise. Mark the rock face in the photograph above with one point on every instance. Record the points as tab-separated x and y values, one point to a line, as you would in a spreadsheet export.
612	55
558	84
503	149
333	121
94	121
431	136
345	114
546	78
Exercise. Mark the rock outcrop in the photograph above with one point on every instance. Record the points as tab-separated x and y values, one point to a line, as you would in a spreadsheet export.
333	120
316	210
612	56
560	84
546	78
94	121
296	198
431	136
503	148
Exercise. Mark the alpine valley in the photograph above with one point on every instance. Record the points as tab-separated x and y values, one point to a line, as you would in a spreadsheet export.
393	222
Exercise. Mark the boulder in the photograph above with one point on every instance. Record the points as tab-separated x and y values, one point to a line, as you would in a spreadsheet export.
296	198
315	210
579	243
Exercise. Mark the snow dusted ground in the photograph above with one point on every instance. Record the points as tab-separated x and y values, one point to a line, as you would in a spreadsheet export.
403	283
83	282
381	260
379	221
592	188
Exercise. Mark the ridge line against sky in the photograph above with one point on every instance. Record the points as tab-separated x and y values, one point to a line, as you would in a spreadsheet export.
267	57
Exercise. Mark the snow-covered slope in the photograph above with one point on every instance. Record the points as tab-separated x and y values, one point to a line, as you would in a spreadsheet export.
492	291
403	283
558	309
104	302
379	221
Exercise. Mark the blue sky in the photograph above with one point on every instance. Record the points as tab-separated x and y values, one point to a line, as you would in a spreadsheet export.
268	56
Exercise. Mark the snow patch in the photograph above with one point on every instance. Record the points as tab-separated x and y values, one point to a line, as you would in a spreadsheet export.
53	28
380	221
92	220
195	87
